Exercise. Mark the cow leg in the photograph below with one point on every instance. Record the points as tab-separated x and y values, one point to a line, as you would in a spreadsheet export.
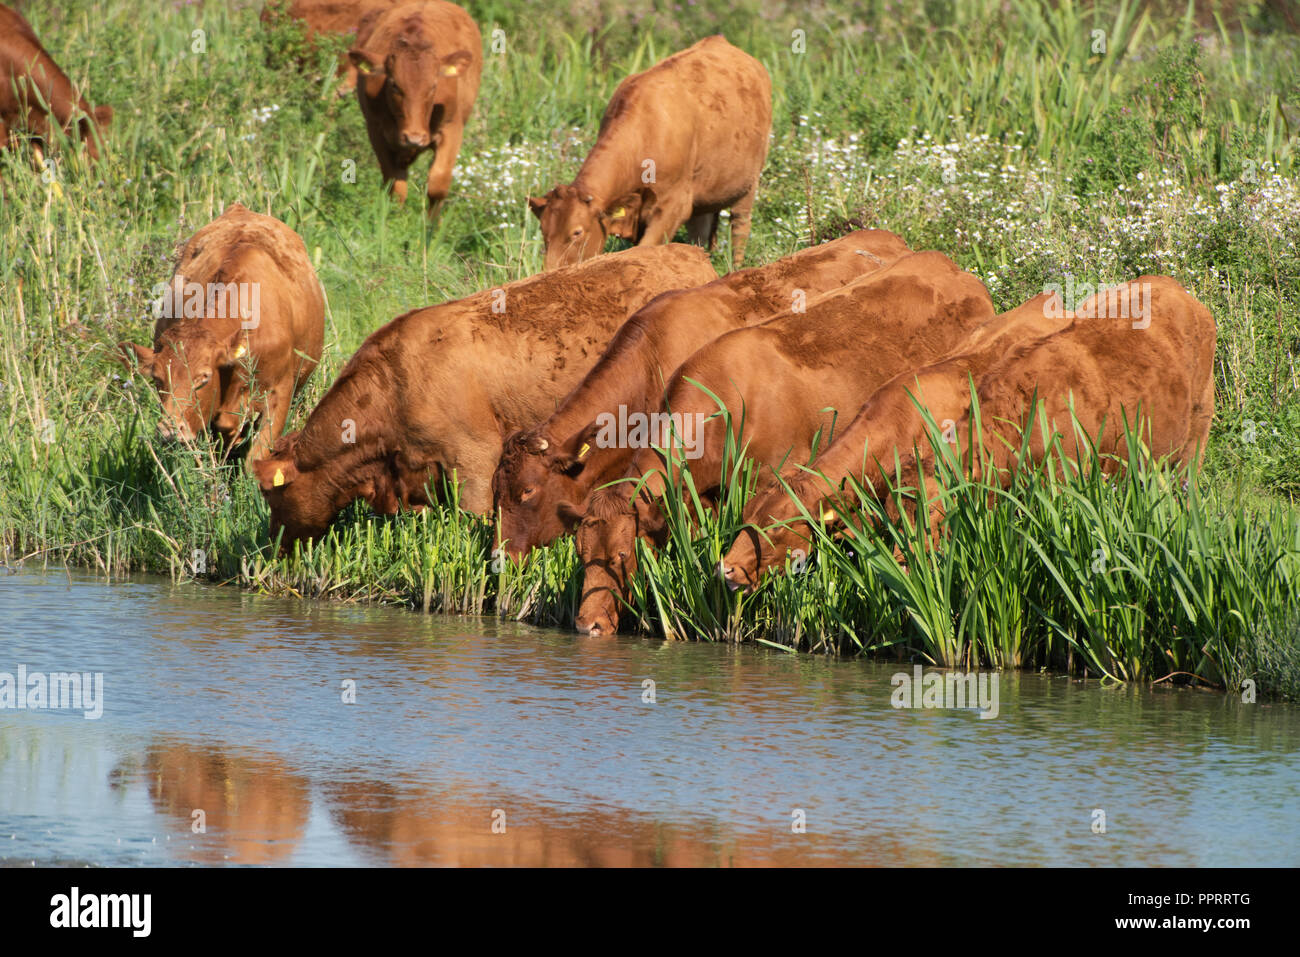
664	220
392	168
444	160
702	229
273	415
741	214
474	472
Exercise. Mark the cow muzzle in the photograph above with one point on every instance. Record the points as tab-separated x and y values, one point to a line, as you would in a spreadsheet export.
597	624
174	432
737	577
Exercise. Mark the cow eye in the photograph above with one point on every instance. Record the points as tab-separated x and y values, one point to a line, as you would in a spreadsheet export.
201	379
577	232
527	493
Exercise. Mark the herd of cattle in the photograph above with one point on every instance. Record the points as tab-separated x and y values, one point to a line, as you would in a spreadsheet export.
567	402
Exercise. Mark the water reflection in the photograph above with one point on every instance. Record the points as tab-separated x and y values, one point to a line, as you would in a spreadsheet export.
230	703
251	809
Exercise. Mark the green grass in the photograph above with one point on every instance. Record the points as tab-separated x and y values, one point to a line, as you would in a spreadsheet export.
989	130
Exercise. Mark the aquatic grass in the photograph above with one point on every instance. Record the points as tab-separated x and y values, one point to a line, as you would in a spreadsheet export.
1133	577
679	586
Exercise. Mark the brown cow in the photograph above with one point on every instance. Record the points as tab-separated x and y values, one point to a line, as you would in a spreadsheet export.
335	17
432	394
32	87
783	383
558	460
678	144
241	328
421	61
1113	359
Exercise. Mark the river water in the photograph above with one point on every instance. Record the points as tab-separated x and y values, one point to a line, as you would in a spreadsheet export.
225	739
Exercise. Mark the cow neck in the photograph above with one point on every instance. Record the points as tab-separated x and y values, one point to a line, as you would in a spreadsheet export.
610	383
611	171
321	448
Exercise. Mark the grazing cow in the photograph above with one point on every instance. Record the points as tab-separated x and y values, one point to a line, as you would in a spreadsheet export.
336	17
1109	366
559	460
242	327
32	87
421	63
783	384
678	144
432	394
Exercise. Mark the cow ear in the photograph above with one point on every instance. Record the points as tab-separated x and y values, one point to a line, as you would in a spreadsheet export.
537	204
621	218
456	64
569	514
236	351
142	355
103	115
274	472
572	458
372	84
364	60
651	522
828	512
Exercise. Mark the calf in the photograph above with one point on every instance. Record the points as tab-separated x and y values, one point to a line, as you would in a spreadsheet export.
678	144
241	329
432	394
783	384
32	87
559	459
421	63
1099	360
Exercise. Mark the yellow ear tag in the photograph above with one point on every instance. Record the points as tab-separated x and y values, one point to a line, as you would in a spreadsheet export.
279	479
243	348
450	70
582	452
619	213
363	67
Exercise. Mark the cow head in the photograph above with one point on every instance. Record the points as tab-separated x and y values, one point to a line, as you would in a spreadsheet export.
535	474
300	506
775	530
417	87
606	531
186	367
575	224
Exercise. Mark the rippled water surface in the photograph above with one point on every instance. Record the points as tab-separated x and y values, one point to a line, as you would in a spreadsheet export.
228	704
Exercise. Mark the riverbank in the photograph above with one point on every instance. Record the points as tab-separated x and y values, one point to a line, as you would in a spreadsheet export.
995	133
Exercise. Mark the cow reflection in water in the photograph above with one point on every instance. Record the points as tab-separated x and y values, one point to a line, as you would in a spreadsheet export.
254	808
256	812
409	826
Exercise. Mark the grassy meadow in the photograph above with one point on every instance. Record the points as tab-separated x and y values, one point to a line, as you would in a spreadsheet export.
1033	143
